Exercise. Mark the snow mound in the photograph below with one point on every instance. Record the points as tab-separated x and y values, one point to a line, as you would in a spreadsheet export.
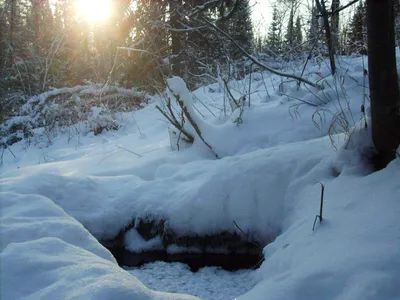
46	254
50	268
30	217
198	197
352	254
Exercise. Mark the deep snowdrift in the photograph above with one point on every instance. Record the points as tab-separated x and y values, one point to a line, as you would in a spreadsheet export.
45	254
266	181
353	254
198	197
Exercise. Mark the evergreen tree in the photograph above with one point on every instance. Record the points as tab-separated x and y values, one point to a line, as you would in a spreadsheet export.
314	26
176	45
241	29
290	32
3	46
314	34
298	34
273	41
356	40
150	35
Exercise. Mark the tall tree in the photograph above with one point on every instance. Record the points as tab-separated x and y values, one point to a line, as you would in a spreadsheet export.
290	34
174	24
3	25
12	31
335	25
150	35
356	40
313	30
328	36
298	34
241	29
274	39
383	80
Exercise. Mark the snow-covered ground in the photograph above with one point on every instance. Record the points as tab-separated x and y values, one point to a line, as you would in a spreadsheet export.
209	283
266	180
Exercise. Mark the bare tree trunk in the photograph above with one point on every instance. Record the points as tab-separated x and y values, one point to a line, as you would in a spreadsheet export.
383	80
322	9
36	7
2	41
13	17
176	46
335	25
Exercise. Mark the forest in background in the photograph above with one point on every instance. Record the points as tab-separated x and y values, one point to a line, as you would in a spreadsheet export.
47	45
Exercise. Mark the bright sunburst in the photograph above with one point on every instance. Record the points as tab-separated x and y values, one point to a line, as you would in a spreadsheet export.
94	10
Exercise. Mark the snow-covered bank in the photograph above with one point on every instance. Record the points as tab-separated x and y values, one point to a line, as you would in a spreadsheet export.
45	254
353	254
198	197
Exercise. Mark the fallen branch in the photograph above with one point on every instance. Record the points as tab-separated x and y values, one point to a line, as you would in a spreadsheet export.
193	123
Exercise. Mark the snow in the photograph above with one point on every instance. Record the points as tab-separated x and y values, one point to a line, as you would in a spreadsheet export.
321	21
46	254
56	200
198	197
134	242
208	283
353	254
31	217
50	268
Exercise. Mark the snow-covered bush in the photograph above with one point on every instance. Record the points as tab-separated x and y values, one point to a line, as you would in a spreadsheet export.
92	107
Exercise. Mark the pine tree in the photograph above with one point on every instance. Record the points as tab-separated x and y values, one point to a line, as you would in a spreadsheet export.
241	29
290	32
298	34
273	40
150	34
3	45
314	26
356	40
176	45
314	34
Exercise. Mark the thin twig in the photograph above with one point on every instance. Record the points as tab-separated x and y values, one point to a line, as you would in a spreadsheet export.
251	240
139	155
257	62
320	206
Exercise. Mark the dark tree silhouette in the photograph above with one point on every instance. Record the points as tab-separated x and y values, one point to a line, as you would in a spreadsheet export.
383	80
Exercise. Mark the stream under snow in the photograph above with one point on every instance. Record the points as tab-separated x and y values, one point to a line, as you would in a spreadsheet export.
209	283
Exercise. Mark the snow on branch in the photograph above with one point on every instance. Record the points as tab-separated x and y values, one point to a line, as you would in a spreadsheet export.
178	91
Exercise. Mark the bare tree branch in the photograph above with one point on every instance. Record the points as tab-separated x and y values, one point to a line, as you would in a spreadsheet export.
331	13
257	62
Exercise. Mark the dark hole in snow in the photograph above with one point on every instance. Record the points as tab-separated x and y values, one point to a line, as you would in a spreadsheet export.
229	250
196	261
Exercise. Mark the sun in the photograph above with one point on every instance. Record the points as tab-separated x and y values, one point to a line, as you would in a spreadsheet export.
93	10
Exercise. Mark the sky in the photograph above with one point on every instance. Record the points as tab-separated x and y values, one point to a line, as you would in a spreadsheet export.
262	13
